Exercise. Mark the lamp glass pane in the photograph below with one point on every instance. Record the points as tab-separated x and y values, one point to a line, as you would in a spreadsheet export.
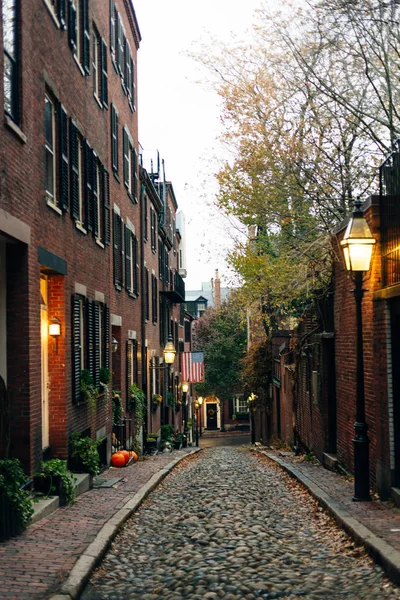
55	329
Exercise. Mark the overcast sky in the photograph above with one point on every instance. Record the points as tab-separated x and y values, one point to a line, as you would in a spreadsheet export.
180	117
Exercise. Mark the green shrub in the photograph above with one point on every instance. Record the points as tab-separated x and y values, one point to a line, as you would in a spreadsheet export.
12	480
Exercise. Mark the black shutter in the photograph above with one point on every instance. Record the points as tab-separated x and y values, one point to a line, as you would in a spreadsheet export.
74	169
72	16
76	348
90	337
114	138
128	258
133	85
112	29
63	156
106	206
115	248
86	36
145	218
160	260
146	291
61	13
126	163
96	342
134	162
88	187
96	192
127	67
106	328
104	74
119	42
136	246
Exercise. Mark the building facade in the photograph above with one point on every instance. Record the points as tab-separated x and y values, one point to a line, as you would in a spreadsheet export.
88	244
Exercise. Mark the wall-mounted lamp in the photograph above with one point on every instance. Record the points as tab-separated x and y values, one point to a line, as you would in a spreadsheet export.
55	328
185	387
114	345
55	331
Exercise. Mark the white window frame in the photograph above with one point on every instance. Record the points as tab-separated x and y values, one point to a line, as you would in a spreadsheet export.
96	64
51	150
100	201
241	404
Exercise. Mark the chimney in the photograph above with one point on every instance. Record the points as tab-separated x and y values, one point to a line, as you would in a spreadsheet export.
217	289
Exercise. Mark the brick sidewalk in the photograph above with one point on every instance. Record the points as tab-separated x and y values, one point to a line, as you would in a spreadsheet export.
381	519
35	564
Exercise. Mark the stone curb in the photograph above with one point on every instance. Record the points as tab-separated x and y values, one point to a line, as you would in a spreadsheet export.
88	560
383	553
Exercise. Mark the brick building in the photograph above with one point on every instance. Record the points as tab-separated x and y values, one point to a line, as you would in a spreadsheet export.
88	242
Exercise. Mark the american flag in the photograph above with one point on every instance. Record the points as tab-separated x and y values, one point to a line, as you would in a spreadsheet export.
192	366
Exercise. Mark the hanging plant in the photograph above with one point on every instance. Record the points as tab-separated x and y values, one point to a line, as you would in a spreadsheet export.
89	392
137	406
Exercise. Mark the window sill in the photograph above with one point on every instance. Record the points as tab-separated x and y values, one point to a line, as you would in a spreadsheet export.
76	59
100	243
132	295
80	227
116	176
98	100
53	206
118	287
52	13
14	127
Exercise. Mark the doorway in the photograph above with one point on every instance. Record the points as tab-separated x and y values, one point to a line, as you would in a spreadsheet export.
212	416
44	338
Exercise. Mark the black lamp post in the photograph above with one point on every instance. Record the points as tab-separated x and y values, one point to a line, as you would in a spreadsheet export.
200	402
196	406
357	245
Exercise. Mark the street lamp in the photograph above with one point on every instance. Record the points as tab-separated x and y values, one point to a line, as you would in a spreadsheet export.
200	401
357	245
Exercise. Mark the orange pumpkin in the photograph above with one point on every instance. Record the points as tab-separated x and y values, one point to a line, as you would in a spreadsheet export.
126	455
134	456
118	460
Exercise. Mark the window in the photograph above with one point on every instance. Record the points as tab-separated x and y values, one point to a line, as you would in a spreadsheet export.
100	71
11	49
76	175
121	56
154	297
201	308
131	363
131	262
153	225
145	219
130	165
90	340
114	139
56	152
187	332
50	112
57	10
118	253
146	292
96	64
78	32
240	404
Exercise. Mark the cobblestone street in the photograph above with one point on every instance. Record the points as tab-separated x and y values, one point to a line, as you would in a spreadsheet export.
228	524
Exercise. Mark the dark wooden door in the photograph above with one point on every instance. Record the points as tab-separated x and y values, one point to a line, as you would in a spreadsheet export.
211	411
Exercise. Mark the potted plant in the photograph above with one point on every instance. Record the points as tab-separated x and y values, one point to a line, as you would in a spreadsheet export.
157	399
54	478
84	457
178	440
15	501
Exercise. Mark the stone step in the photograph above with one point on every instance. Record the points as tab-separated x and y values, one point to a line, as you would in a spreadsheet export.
45	506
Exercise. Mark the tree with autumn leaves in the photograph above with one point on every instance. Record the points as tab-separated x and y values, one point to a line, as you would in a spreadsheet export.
310	109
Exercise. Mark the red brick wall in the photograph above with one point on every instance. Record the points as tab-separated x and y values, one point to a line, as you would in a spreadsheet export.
375	365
